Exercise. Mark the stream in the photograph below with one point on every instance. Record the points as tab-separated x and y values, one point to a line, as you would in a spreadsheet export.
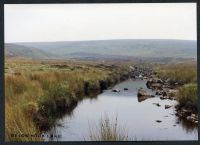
139	118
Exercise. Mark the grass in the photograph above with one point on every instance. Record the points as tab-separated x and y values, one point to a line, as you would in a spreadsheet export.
186	75
182	73
108	131
187	97
39	90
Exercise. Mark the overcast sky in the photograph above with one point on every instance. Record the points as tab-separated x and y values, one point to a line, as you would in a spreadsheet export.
66	22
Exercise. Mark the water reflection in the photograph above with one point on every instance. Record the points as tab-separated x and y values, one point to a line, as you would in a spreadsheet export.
187	126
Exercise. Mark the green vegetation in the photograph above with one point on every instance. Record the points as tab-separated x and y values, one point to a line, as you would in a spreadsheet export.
183	73
108	131
37	91
187	97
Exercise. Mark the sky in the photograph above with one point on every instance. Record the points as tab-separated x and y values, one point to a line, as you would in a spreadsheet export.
71	22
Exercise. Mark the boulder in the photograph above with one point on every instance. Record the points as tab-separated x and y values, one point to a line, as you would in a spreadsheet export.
143	95
159	121
156	85
157	104
116	90
163	93
164	97
125	89
167	106
142	92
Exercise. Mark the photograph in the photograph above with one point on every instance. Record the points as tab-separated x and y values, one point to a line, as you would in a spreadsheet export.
100	72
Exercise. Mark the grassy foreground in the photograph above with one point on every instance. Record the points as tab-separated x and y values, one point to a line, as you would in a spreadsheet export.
36	91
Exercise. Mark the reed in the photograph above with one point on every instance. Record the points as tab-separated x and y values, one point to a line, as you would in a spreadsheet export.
108	131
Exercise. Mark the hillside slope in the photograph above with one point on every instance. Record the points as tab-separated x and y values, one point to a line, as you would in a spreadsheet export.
128	47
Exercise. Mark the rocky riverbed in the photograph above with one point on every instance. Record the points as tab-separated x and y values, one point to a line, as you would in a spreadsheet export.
163	88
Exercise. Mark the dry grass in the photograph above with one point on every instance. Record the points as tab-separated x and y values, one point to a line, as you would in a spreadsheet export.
184	73
31	86
187	97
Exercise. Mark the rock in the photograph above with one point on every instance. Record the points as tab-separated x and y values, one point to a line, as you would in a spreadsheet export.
164	93
157	104
156	85
172	92
167	106
176	83
163	97
144	78
140	76
115	90
159	121
125	89
148	84
142	92
189	118
186	112
143	95
192	118
158	93
159	81
142	98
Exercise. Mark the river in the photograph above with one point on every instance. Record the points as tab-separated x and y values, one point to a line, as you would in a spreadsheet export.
139	118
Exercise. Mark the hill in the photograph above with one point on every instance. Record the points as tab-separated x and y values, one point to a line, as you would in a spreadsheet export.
127	48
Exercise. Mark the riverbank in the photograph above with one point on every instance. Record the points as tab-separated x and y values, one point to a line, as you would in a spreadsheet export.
175	82
41	92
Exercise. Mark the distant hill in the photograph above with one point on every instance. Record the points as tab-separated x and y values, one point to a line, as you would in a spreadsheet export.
16	50
116	49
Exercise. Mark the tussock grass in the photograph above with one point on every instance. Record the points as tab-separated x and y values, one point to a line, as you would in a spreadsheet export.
183	73
17	123
38	91
186	75
187	96
108	131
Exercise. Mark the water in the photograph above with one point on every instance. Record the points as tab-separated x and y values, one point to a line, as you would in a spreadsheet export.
139	118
